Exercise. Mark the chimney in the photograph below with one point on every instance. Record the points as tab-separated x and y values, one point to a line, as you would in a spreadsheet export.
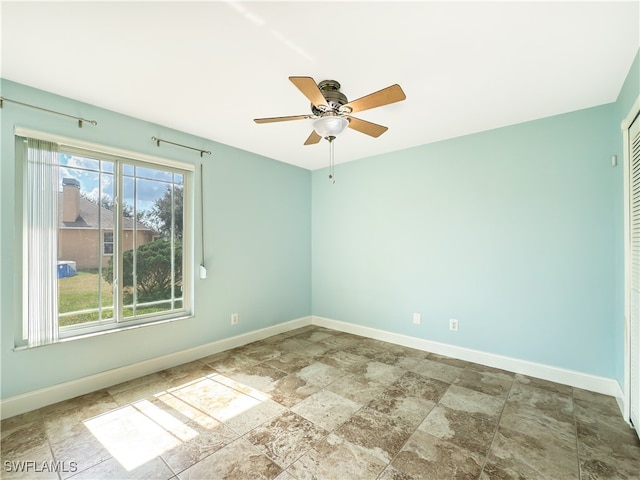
70	199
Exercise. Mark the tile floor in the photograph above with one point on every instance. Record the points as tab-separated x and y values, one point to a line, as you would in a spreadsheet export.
320	404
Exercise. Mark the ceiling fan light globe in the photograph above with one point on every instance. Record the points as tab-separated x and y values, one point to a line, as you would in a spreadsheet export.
330	126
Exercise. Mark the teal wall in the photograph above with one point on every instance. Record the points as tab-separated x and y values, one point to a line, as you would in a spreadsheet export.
257	229
510	231
516	232
629	92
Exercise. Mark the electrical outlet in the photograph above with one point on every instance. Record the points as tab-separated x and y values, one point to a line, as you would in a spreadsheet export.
234	319
453	324
417	318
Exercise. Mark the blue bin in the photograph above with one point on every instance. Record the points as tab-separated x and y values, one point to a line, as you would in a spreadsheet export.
66	268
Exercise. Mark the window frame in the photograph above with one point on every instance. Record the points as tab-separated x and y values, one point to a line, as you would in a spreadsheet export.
120	156
106	242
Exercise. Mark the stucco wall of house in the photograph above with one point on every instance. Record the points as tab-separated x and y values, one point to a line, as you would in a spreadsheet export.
83	246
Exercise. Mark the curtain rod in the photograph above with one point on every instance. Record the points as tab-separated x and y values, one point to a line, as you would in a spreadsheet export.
202	152
80	120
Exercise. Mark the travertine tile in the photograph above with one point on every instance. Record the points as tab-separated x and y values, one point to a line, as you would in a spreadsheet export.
486	382
346	361
419	386
322	404
326	409
237	461
290	362
608	447
467	400
22	438
206	441
341	341
19	420
33	464
137	383
315	335
355	388
541	402
379	372
362	348
402	405
285	476
84	449
430	458
186	373
215	399
532	457
67	422
381	434
291	389
437	370
545	384
337	458
286	438
391	473
320	374
260	351
303	347
155	469
228	362
255	416
92	402
466	418
454	362
258	376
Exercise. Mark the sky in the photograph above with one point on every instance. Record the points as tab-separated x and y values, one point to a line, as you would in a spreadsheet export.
96	179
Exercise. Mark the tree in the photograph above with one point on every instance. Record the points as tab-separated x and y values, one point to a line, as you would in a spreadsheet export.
153	259
153	270
162	212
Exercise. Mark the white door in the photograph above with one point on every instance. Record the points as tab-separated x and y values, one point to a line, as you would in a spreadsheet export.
634	321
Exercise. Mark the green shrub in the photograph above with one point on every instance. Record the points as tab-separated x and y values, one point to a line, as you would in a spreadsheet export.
153	271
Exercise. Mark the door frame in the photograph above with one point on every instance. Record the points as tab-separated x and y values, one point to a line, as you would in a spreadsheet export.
625	126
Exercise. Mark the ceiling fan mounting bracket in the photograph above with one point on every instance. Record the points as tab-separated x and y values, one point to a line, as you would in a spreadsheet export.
335	98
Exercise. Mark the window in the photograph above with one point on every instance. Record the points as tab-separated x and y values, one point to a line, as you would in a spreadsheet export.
120	246
107	243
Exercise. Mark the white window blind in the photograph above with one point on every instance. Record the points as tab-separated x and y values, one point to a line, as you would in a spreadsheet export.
41	231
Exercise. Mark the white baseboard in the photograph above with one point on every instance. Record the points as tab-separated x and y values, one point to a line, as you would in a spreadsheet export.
606	386
46	396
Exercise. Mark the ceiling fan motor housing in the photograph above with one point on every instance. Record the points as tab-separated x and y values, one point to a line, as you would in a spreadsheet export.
335	98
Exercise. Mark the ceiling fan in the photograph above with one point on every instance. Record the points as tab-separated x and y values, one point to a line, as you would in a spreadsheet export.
331	110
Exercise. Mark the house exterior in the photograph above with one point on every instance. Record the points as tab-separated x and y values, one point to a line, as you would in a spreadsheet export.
85	230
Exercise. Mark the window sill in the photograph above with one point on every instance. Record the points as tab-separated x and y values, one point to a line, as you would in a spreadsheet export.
105	332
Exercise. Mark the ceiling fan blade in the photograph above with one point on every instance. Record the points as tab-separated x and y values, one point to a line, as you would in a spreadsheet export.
280	119
309	89
368	128
385	96
313	138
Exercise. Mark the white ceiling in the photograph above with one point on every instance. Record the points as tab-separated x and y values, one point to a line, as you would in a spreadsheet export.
208	68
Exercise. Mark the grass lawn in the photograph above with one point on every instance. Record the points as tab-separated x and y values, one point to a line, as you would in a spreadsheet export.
80	292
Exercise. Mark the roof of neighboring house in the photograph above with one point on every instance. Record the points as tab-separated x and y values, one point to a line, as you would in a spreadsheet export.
95	216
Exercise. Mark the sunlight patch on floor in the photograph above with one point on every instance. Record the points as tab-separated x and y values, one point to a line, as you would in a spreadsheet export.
131	436
142	431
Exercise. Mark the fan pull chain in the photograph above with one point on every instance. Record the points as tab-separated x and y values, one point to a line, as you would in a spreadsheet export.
332	164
